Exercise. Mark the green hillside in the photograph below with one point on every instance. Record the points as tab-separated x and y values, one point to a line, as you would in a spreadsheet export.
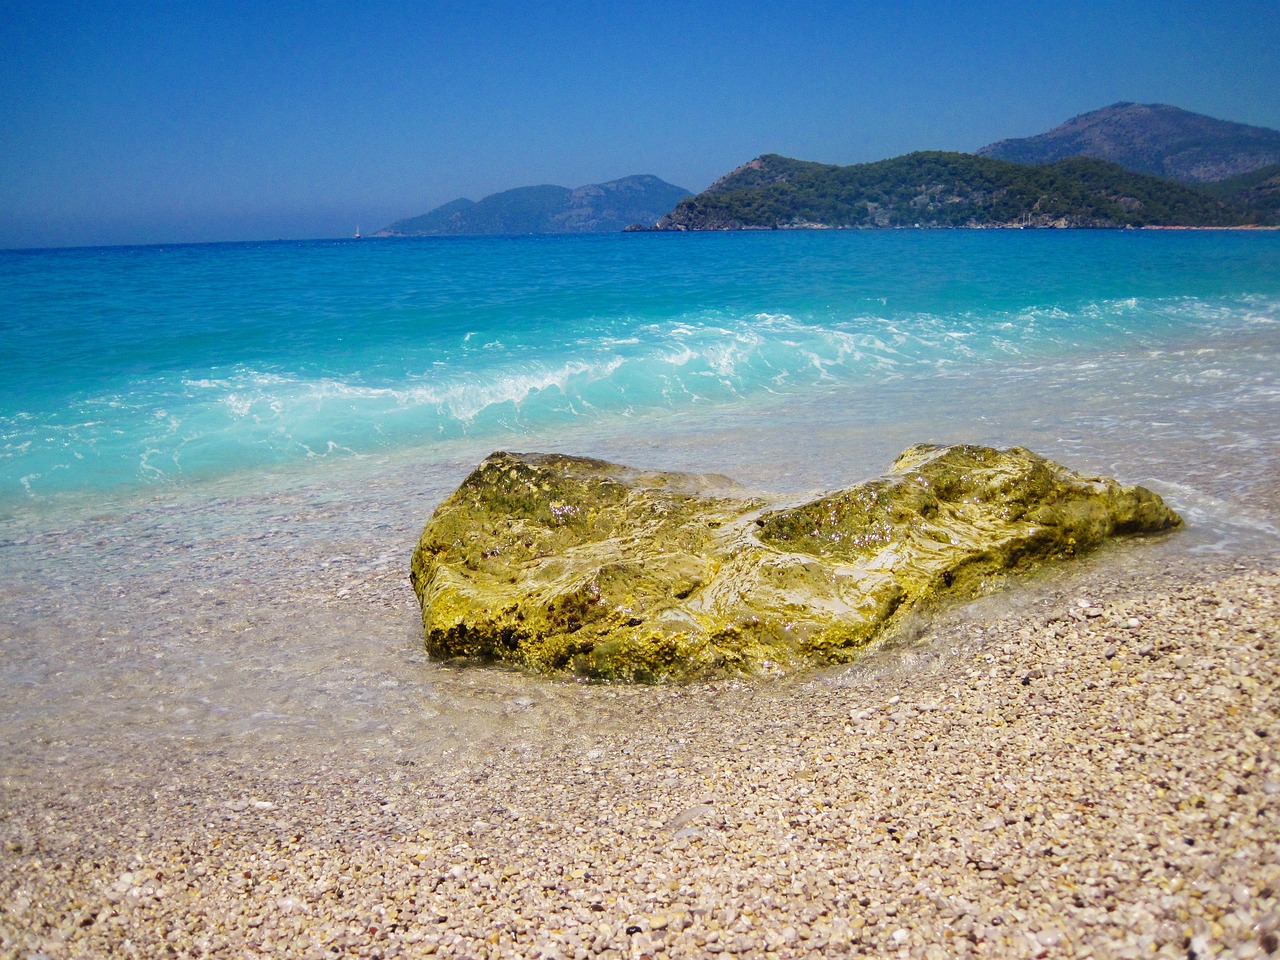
937	189
1257	192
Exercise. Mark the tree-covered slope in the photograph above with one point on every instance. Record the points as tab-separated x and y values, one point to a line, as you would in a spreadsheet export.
938	189
1257	192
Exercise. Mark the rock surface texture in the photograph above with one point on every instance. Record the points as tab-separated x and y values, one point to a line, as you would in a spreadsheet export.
566	564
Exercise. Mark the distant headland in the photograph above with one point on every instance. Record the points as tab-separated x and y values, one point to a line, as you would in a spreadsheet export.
593	208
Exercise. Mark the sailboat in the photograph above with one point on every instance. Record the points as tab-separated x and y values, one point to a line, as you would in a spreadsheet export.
357	236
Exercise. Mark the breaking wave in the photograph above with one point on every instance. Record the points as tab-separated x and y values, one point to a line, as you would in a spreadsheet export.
143	366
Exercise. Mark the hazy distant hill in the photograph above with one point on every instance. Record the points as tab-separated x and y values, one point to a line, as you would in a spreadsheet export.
1151	138
938	189
594	208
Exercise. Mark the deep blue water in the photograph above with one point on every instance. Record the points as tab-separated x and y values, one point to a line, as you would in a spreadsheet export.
158	365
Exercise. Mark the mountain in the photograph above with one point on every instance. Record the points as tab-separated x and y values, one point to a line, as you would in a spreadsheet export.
937	189
594	208
1151	138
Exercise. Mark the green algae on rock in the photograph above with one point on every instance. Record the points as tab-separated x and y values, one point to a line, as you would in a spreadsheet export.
565	564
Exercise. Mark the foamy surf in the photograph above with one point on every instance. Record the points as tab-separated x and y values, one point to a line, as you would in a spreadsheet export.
222	361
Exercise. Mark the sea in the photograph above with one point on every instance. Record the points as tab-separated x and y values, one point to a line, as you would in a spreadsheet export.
215	460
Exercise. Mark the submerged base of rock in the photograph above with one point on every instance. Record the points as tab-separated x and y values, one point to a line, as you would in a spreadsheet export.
565	564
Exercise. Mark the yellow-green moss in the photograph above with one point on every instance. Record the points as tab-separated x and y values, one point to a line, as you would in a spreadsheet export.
566	564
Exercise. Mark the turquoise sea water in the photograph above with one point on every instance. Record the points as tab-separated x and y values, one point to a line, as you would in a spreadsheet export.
139	366
215	460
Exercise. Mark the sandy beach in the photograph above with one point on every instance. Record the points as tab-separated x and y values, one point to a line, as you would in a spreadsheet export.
1085	766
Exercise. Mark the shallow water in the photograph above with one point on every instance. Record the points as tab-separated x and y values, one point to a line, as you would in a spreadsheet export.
266	608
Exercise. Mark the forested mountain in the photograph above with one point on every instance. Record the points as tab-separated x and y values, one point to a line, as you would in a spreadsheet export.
938	189
594	208
1151	138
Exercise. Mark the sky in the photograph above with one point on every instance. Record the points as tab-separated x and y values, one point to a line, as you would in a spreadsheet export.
175	121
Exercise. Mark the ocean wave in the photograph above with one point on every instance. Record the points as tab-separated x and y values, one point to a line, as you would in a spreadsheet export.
200	422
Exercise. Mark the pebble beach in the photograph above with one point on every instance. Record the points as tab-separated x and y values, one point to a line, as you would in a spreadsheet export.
221	735
1085	766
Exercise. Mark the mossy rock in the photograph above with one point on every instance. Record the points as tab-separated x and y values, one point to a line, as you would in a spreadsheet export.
564	564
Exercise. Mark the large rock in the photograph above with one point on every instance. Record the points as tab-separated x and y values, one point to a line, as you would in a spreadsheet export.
565	564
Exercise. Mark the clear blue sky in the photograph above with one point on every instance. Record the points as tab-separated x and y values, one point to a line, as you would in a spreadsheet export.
134	122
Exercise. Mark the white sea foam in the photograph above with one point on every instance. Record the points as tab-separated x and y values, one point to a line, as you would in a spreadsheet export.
224	417
523	360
